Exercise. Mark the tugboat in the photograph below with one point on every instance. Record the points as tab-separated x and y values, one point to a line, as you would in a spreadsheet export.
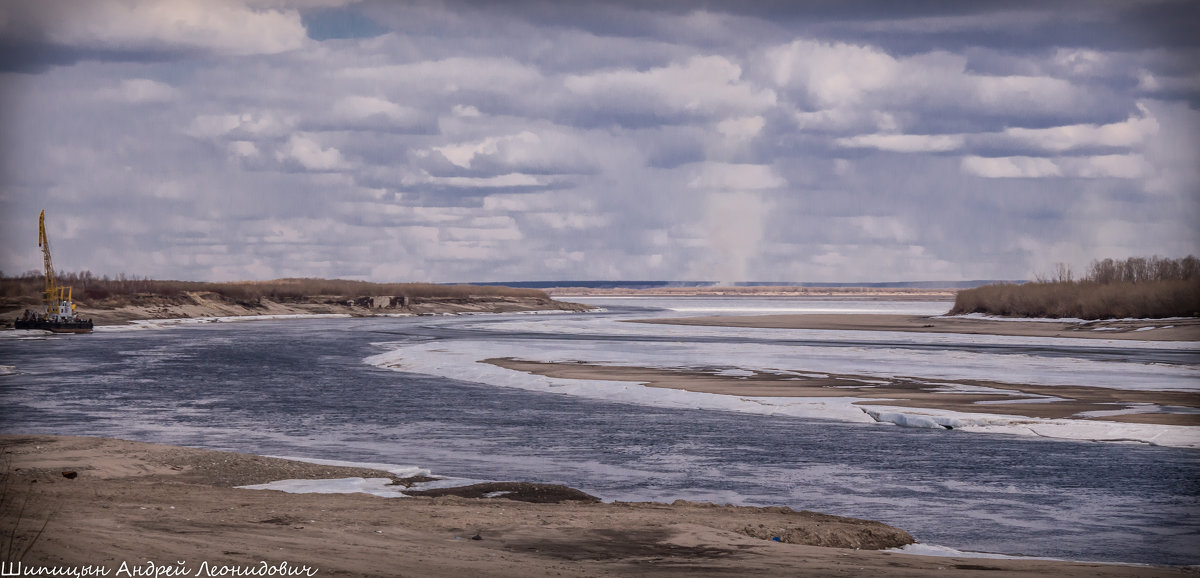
57	314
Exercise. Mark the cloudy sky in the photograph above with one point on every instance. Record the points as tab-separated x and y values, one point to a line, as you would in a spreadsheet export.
537	140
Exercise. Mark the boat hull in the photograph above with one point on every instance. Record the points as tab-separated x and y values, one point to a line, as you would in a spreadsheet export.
54	326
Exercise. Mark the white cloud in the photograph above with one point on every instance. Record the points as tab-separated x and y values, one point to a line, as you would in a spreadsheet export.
309	154
140	91
221	26
1010	167
1130	166
243	148
569	220
1129	133
213	125
451	75
506	180
1017	93
842	85
246	124
702	86
852	261
507	231
735	177
846	119
836	74
1080	61
741	129
546	149
512	146
906	143
465	111
526	202
372	112
891	229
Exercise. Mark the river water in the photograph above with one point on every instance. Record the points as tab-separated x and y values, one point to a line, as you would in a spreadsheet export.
301	388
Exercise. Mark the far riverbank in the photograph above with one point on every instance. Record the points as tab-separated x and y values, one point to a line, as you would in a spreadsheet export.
201	304
1178	329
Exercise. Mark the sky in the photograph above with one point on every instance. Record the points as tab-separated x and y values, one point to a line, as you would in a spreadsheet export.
460	141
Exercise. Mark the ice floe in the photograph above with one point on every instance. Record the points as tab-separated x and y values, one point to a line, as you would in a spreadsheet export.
375	486
840	352
144	324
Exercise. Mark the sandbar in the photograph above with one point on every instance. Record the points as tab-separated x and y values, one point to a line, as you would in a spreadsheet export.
1051	402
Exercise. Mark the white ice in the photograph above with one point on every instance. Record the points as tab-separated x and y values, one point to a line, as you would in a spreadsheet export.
396	470
375	486
948	552
144	324
945	551
458	359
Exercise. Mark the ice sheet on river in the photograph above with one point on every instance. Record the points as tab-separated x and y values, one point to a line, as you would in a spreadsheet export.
579	339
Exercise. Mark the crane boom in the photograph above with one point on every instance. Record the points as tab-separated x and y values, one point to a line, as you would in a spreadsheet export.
57	298
50	293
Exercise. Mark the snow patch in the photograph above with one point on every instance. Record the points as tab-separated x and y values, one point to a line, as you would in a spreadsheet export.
946	551
396	470
381	487
733	372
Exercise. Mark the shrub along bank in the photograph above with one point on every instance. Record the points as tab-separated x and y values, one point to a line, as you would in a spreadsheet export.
1112	289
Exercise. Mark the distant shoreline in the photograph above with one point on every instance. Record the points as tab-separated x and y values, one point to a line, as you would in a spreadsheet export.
207	305
1182	329
877	293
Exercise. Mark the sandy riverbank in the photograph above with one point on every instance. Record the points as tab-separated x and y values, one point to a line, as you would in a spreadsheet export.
1187	329
133	502
203	305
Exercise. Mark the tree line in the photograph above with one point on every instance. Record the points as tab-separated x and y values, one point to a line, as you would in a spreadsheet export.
1137	287
87	287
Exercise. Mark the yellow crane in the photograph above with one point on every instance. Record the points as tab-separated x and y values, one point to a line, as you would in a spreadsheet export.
57	299
58	313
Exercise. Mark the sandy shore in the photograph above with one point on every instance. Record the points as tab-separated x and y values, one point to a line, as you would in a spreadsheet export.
103	502
201	305
1145	330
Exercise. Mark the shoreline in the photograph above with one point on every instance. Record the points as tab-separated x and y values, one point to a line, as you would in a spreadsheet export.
203	306
866	293
1177	329
135	503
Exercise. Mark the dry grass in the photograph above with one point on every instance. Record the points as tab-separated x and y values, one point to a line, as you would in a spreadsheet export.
1083	300
1136	287
89	289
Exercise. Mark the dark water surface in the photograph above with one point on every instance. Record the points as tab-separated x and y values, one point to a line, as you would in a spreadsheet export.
300	388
